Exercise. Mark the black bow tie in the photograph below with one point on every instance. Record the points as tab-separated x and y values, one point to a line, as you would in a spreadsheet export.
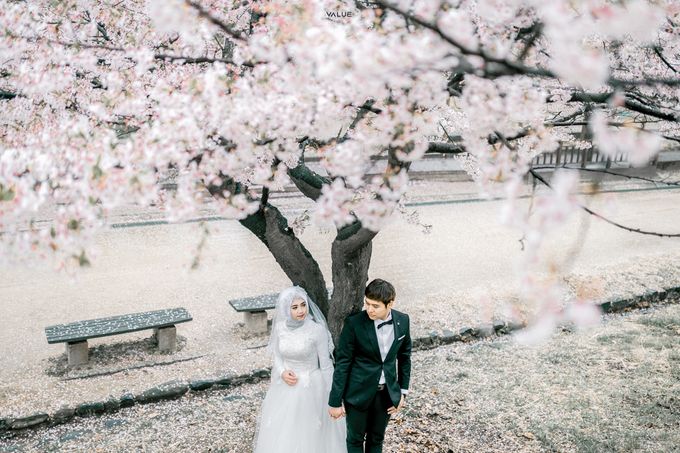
385	323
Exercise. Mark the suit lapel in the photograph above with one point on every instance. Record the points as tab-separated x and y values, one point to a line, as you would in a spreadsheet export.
369	326
397	330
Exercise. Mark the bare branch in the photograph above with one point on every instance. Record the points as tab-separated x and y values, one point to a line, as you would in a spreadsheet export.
611	222
609	172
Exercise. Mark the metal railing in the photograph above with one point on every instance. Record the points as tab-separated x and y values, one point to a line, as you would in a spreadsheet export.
569	155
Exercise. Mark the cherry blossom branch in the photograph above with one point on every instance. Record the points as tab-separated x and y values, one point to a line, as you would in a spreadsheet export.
505	141
536	29
227	184
658	51
362	111
611	222
602	98
501	66
204	13
182	59
198	60
586	123
510	67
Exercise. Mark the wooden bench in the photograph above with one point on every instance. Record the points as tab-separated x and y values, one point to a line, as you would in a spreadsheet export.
76	334
255	308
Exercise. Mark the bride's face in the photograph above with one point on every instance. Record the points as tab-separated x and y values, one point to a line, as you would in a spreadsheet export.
298	309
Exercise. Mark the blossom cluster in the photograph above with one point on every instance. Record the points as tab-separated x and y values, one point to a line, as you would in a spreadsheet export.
102	101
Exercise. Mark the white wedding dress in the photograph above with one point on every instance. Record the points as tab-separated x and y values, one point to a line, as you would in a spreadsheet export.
294	419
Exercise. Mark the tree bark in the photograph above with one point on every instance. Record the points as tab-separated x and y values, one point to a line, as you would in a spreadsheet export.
271	227
351	256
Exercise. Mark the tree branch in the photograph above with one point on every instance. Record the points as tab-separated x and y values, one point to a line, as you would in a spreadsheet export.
228	29
353	237
157	56
307	181
496	67
609	172
536	29
7	95
611	222
198	60
271	228
362	111
445	148
601	98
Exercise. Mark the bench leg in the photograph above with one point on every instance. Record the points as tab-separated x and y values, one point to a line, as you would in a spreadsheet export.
77	353
166	338
256	321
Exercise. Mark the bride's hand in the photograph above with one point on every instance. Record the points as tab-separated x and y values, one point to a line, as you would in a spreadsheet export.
336	412
289	377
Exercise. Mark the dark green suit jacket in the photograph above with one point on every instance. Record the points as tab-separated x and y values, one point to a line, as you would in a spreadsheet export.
358	362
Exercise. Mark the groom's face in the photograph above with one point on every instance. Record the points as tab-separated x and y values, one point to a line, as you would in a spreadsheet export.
377	309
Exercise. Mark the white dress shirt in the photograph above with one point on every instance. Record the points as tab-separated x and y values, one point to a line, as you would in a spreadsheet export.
385	339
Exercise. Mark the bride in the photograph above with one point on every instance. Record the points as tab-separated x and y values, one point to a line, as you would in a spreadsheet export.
294	416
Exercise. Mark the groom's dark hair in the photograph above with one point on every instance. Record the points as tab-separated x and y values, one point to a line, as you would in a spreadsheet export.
380	290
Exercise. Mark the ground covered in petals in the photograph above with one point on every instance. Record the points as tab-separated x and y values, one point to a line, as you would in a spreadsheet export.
613	388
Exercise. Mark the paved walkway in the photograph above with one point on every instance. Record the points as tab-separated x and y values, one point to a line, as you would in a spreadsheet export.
440	278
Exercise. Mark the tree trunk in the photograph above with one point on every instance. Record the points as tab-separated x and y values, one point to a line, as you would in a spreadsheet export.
271	227
350	274
351	257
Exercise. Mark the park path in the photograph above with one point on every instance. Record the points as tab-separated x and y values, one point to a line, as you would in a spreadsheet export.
440	278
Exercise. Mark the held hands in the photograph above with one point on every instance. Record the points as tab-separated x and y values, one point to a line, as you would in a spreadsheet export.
393	410
336	412
289	377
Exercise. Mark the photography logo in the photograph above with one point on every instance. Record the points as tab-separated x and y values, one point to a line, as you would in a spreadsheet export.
344	14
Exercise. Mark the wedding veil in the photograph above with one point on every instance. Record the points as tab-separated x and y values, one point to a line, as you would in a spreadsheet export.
282	314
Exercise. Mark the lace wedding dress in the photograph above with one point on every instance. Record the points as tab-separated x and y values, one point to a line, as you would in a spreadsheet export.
294	419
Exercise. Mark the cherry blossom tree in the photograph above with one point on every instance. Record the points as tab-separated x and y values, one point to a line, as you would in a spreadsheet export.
102	99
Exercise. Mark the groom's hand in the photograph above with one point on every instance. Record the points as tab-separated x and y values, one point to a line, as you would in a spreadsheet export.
289	377
336	412
393	410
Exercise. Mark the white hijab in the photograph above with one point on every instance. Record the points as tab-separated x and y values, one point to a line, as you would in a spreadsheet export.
283	318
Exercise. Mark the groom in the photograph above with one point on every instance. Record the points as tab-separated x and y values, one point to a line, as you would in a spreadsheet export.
372	369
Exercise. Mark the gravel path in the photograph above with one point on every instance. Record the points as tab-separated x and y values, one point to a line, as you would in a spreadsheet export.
612	388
